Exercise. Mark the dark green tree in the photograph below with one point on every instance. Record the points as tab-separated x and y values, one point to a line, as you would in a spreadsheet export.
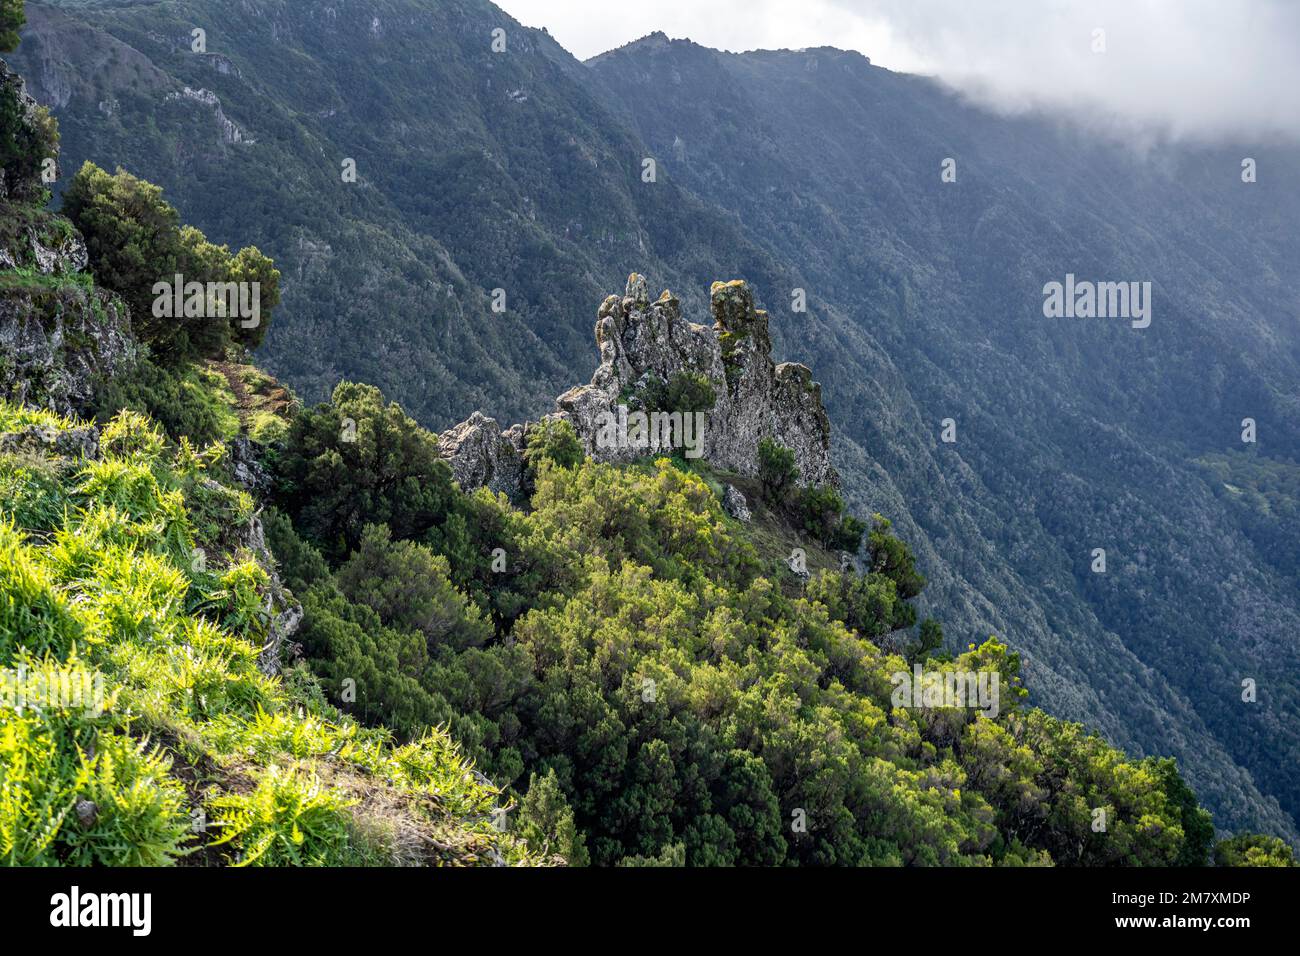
407	585
553	440
1253	849
776	470
356	461
12	18
136	247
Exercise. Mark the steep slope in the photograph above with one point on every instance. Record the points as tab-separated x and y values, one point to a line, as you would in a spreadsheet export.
149	712
672	693
1072	434
475	171
521	171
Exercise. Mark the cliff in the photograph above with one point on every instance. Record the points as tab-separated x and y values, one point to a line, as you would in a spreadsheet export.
643	343
58	332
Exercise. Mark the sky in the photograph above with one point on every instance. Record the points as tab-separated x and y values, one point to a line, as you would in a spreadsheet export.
1208	70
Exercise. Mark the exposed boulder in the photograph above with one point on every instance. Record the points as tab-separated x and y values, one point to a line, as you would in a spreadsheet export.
482	455
734	504
81	442
641	341
248	471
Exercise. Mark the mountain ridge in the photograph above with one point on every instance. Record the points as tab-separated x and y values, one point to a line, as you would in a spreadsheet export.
903	326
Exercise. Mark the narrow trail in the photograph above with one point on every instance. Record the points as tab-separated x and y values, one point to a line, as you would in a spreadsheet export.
243	401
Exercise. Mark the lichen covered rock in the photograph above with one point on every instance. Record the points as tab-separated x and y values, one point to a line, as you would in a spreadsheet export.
642	341
57	339
482	455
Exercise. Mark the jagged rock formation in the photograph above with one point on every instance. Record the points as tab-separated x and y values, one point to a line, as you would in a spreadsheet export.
481	455
641	341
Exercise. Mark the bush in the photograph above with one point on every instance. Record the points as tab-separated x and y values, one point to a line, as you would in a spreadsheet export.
683	392
821	511
407	585
134	241
12	18
289	820
357	461
182	400
27	139
553	440
777	471
892	558
1253	849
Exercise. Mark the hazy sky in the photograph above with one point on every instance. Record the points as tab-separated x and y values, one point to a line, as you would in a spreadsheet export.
1200	68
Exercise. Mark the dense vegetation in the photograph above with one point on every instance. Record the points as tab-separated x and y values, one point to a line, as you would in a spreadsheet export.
134	240
809	170
138	567
610	671
685	696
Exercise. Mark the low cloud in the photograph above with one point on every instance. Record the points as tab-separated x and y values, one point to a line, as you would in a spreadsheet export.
1194	69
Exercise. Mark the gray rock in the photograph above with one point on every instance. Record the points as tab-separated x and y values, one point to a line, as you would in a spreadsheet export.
734	504
283	614
639	339
87	812
482	455
56	342
81	442
248	470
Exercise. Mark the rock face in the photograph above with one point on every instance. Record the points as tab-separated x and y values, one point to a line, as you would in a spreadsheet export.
57	340
481	455
58	333
642	342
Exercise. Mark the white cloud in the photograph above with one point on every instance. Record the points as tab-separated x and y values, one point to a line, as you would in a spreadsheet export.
1185	68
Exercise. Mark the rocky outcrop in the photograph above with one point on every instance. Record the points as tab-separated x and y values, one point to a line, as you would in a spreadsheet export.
80	442
642	343
59	335
283	614
482	455
57	339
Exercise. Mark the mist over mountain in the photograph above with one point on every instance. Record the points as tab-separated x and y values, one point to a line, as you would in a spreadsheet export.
812	170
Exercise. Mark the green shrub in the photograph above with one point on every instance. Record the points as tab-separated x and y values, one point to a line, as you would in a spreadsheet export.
777	471
290	819
135	241
1253	849
137	814
357	461
182	400
34	614
12	18
553	440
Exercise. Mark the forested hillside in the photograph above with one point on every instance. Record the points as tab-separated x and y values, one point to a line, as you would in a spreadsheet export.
517	177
